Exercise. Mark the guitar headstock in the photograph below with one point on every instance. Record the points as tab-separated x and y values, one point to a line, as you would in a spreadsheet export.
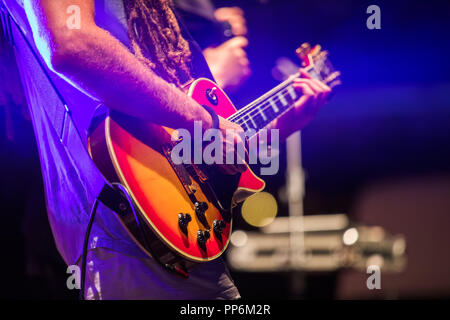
316	62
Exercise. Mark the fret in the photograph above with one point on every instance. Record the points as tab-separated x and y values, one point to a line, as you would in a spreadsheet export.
291	92
261	112
244	125
274	106
264	99
257	115
269	113
253	122
249	123
282	99
259	120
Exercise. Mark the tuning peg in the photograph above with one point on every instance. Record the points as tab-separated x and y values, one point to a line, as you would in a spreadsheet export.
315	50
322	55
303	50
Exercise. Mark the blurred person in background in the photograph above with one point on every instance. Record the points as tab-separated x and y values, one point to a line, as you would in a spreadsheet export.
222	35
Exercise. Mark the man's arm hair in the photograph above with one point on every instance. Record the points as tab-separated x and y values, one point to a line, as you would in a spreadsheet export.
97	63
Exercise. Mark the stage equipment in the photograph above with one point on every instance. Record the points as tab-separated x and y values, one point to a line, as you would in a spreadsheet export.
330	243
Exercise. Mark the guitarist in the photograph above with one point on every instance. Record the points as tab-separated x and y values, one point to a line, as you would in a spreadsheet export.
134	56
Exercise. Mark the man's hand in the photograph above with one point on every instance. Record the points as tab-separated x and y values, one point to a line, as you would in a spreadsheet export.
235	17
232	142
314	96
229	63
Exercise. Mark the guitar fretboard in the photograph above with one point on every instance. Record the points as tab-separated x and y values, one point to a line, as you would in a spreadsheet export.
258	114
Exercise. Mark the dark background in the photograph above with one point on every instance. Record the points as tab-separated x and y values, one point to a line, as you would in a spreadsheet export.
379	151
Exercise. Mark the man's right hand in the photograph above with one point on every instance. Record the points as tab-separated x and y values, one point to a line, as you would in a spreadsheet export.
232	135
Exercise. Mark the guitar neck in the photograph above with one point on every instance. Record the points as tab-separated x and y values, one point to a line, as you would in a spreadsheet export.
259	113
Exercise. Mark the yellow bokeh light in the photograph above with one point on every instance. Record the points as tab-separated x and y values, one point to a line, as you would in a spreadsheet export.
259	209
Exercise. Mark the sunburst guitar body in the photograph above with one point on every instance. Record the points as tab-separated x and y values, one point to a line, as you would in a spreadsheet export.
184	212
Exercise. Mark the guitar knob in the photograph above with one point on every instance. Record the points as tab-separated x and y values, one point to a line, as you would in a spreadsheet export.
200	209
218	226
202	237
201	206
183	221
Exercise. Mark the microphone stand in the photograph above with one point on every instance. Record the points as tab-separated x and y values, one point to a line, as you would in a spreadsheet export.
295	191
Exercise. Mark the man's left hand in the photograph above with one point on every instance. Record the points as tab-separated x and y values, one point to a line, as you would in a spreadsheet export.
314	94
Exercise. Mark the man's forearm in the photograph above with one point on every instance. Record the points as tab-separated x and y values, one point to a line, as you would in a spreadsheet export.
100	65
104	68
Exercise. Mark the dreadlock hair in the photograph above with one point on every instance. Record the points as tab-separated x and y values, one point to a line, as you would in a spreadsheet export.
156	39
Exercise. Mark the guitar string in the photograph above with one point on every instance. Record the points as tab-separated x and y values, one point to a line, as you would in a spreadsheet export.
258	107
265	104
255	104
256	130
261	107
264	107
253	123
269	94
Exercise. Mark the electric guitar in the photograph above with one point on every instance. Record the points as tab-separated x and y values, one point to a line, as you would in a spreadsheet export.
184	212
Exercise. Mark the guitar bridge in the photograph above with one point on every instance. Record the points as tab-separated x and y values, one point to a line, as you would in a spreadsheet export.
185	172
181	171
